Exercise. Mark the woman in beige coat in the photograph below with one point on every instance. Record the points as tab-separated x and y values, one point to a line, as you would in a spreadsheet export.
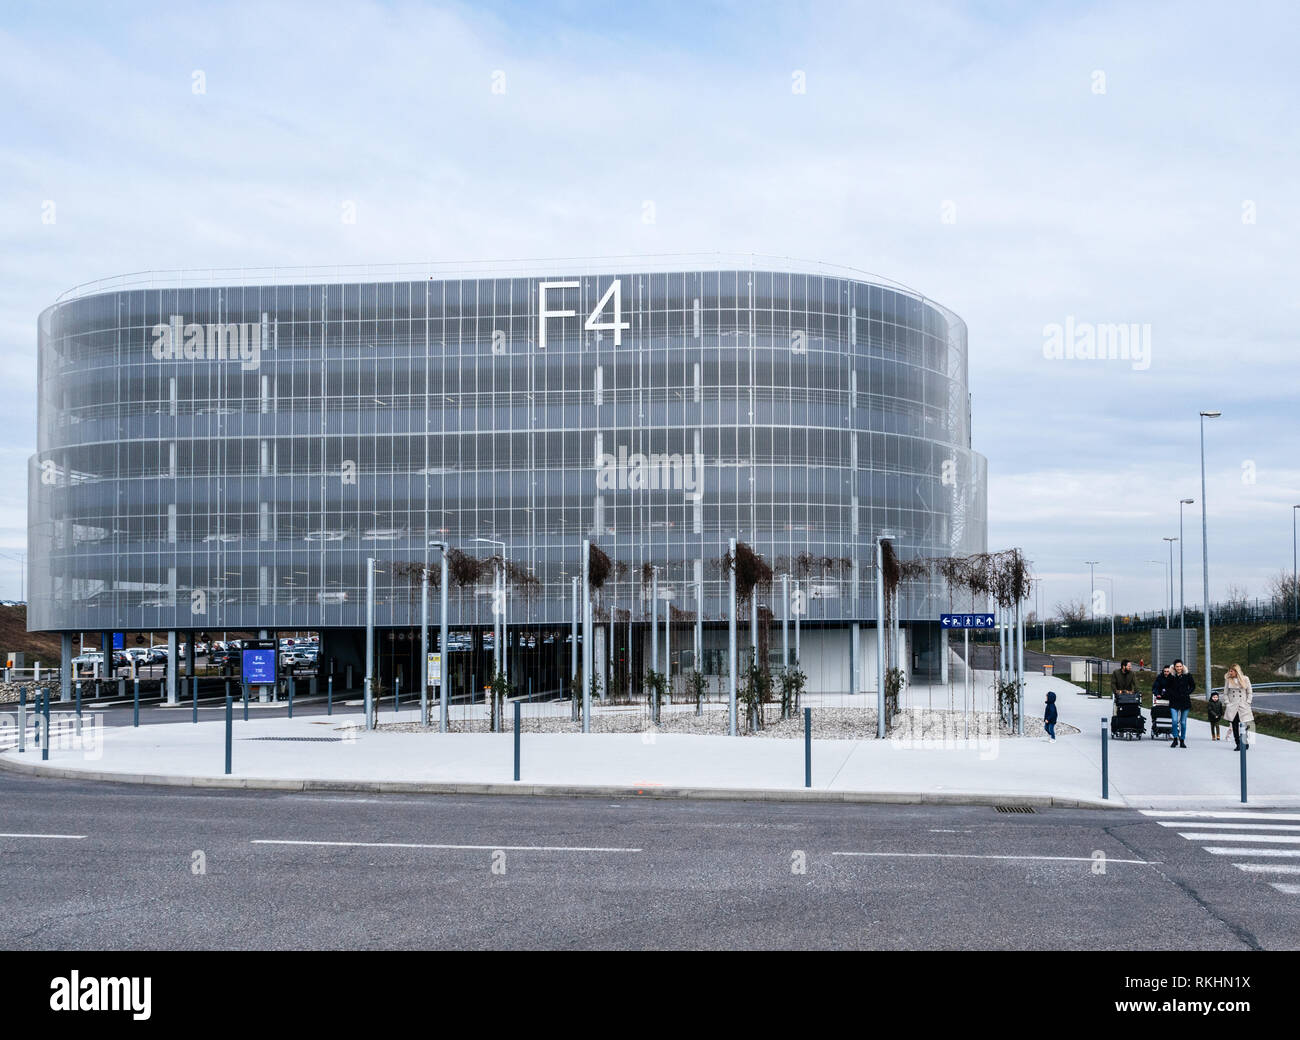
1237	696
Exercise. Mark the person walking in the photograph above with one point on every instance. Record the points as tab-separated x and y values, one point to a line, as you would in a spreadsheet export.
1049	716
1123	680
1237	697
1179	691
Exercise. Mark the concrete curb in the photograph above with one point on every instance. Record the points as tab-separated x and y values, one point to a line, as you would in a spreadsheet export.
743	794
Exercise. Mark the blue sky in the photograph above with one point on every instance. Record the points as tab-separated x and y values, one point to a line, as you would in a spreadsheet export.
963	149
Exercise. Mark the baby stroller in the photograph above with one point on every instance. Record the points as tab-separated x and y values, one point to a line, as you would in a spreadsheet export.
1126	718
1162	719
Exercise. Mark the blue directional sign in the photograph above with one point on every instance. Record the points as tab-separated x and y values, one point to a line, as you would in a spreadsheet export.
965	620
259	667
119	640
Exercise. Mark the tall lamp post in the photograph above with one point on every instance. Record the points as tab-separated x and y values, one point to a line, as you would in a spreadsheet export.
1295	588
1205	554
1169	618
1182	606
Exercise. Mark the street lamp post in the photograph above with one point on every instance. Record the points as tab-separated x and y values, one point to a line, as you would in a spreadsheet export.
1182	606
1169	617
1205	554
1295	588
1092	586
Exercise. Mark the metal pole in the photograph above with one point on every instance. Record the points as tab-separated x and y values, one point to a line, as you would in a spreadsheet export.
731	639
230	724
1205	555
22	719
243	692
785	621
586	637
807	747
573	636
966	684
1244	744
444	658
45	730
370	637
194	687
135	683
880	641
699	623
329	695
291	694
517	712
1182	607
1105	759
423	666
654	619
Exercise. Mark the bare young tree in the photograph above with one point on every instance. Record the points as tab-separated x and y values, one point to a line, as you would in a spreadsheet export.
1074	610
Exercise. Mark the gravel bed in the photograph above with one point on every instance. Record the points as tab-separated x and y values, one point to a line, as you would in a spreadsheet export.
9	691
828	724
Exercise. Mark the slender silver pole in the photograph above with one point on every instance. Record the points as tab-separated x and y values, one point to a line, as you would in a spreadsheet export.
654	619
370	638
424	647
586	637
880	640
573	635
444	671
798	614
1205	564
731	640
1182	608
785	621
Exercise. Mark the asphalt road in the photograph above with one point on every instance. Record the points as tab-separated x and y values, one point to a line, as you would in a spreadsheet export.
116	867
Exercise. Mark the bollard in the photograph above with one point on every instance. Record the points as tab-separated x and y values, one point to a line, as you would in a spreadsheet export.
194	683
1105	758
290	695
1245	743
516	740
397	694
807	747
329	696
137	703
78	707
45	730
230	722
22	719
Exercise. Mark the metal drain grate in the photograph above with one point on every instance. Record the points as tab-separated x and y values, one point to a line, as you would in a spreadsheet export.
1015	808
315	740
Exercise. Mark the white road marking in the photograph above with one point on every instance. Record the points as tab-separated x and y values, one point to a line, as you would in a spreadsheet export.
1268	868
1235	826
1220	850
70	837
969	855
1234	814
1290	890
412	845
1275	839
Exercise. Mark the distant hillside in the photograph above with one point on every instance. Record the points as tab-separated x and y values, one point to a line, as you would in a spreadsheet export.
38	646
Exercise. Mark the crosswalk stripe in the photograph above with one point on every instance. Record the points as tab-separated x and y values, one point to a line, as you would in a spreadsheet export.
1221	850
1234	826
1275	839
1290	890
1227	814
1268	868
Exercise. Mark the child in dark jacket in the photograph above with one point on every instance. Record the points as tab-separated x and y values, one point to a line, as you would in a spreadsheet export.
1049	716
1215	710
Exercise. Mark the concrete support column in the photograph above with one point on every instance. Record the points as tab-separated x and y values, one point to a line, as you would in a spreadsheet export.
943	656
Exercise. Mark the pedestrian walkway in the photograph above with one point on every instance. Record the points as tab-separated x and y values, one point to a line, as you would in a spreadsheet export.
1262	844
